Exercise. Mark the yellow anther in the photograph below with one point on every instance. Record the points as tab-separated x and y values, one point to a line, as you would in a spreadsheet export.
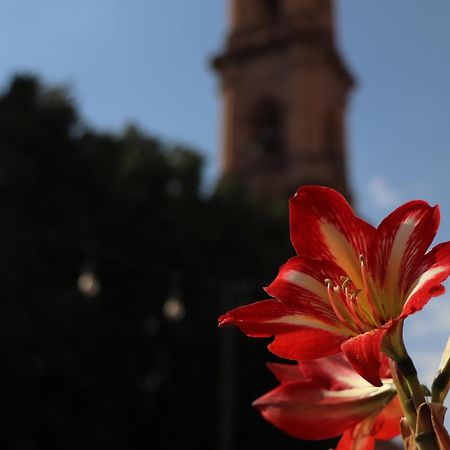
354	294
346	282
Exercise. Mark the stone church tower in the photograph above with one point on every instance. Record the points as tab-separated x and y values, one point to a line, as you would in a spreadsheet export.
284	92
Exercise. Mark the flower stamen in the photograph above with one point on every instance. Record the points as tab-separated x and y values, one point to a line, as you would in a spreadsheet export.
352	302
342	310
335	300
368	290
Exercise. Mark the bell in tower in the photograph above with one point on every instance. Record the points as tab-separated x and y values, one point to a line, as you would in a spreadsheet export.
284	97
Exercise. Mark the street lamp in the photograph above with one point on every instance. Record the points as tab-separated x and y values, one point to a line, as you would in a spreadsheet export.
173	308
88	283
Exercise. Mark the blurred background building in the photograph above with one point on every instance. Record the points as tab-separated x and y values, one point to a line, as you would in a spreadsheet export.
115	262
284	90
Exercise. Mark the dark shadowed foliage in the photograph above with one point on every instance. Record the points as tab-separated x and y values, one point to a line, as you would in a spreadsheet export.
115	365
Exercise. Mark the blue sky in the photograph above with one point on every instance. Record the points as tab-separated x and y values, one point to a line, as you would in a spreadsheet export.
147	62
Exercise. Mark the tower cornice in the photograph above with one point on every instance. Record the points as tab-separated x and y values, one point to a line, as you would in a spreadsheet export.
245	45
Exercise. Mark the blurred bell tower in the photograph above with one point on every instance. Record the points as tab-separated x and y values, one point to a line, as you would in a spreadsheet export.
284	97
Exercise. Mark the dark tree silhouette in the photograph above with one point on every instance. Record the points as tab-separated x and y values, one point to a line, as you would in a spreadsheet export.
112	371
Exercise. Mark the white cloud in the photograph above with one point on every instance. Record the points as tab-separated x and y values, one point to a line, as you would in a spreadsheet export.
383	195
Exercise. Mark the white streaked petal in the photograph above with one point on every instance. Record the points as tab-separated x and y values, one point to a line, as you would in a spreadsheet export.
427	276
354	380
308	321
343	252
364	391
307	282
404	232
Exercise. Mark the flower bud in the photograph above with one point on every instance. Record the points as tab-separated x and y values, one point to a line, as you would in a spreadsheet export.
441	382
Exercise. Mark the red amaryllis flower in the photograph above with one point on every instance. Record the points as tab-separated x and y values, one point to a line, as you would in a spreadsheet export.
350	283
326	398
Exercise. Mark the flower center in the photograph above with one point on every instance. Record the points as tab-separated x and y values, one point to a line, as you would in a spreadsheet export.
356	307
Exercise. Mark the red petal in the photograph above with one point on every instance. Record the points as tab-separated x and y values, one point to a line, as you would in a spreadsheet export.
324	226
285	373
400	242
307	411
271	317
384	427
333	372
301	284
350	441
296	409
363	353
434	269
385	370
302	280
388	422
306	344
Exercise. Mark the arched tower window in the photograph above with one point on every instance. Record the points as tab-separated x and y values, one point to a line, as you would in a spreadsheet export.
267	127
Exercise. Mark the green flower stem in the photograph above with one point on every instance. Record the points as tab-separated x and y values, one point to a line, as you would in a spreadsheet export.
411	393
425	436
441	382
404	396
394	348
409	372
